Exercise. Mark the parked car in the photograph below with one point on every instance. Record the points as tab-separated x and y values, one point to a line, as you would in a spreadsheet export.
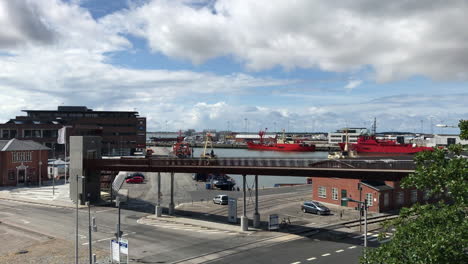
221	199
315	208
135	174
136	179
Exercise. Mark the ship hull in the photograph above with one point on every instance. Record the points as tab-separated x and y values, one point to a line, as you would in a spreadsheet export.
281	147
382	148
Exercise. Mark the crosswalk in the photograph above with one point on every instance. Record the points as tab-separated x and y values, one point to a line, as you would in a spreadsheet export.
182	226
374	236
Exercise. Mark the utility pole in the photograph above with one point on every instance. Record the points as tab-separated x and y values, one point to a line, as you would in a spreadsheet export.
90	240
76	217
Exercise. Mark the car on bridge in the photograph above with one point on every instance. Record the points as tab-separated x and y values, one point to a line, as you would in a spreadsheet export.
315	208
135	174
136	179
221	199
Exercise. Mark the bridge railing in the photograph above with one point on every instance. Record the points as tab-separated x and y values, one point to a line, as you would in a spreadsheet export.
262	162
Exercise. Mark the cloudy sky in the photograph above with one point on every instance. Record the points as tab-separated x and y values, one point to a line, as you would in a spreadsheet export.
302	65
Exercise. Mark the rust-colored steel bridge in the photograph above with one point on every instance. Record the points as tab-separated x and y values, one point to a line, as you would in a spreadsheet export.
347	168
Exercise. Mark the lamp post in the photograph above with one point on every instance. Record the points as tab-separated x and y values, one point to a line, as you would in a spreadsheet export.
76	216
361	203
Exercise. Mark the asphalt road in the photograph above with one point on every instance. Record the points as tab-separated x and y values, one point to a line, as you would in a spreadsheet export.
148	244
315	249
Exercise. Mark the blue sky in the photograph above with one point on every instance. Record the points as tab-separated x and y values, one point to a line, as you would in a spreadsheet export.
315	65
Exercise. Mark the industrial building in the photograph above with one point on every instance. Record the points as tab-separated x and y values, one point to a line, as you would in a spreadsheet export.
340	135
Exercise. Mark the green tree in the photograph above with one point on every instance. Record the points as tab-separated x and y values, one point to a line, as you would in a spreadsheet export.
463	125
431	233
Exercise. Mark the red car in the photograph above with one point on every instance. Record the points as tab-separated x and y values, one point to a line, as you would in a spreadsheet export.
136	179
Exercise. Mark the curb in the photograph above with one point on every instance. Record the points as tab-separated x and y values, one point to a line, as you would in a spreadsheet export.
169	220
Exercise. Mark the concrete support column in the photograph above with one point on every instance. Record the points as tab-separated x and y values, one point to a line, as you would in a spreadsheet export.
244	219
158	209
171	205
256	220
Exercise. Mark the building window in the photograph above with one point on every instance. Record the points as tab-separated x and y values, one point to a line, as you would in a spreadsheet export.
369	199
322	192
414	196
400	197
335	193
21	156
5	133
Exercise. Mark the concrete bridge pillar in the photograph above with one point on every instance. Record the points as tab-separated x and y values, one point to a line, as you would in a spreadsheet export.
158	208
171	205
89	187
244	219
256	220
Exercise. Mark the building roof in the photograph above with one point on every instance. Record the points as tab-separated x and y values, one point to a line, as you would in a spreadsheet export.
377	185
15	145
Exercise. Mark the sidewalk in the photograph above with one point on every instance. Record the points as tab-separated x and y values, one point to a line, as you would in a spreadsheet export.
46	194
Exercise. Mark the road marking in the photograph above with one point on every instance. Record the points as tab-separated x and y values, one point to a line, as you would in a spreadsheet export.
352	247
326	254
373	239
104	239
339	250
102	211
357	236
309	259
24	221
297	262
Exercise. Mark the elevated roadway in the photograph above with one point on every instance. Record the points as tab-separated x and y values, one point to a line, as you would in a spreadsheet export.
384	169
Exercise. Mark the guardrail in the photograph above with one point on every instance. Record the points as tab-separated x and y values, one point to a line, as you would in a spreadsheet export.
265	162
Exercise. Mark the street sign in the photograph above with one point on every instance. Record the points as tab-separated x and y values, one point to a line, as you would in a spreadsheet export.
232	213
115	252
124	246
273	222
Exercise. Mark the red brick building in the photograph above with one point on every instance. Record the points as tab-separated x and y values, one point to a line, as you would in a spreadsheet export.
20	162
382	196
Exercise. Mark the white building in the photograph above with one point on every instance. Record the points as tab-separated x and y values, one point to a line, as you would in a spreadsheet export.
445	140
340	135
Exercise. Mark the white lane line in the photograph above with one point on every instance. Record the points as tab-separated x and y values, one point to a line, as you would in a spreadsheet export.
352	247
358	236
326	254
373	239
375	235
297	262
104	239
309	259
339	250
102	211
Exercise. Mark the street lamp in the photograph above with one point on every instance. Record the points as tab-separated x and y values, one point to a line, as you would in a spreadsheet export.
365	215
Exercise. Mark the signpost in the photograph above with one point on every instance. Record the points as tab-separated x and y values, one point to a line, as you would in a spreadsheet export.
273	222
115	254
118	248
124	247
232	213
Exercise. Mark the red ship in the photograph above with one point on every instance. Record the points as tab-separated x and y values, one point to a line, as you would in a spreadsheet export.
279	145
369	144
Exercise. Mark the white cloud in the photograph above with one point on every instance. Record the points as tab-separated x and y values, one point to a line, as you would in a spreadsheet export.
353	84
397	38
59	56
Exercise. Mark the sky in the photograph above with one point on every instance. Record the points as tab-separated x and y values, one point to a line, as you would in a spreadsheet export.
298	65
